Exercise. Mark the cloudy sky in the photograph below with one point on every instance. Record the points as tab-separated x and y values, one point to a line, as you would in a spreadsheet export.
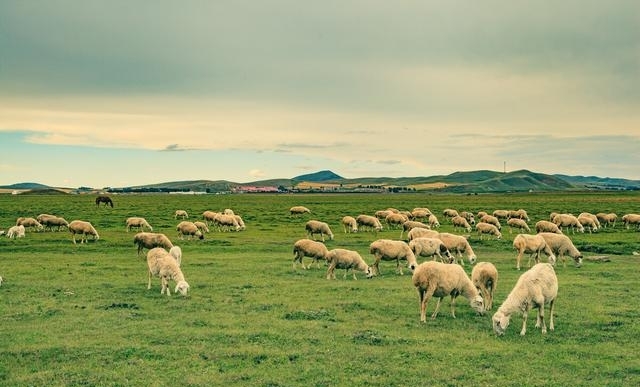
119	93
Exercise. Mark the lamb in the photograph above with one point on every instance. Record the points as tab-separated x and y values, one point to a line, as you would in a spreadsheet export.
83	229
52	221
411	224
317	227
309	248
486	228
16	232
226	222
162	264
436	279
368	222
349	224
149	240
449	213
181	214
546	226
568	221
588	222
460	222
517	223
137	222
29	223
532	244
631	219
430	247
347	260
535	288
459	244
299	210
189	229
390	250
560	245
607	219
485	278
491	220
421	232
202	226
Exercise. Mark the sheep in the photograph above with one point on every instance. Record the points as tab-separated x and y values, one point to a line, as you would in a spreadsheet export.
241	225
532	244
309	248
189	229
486	228
519	214
459	244
349	224
41	217
382	214
421	213
607	219
436	279
299	210
449	213
162	264
82	228
569	221
546	226
395	219
29	223
468	216
317	227
51	221
228	211
501	214
491	219
16	232
390	250
430	247
368	222
485	278
181	214
419	232
433	221
347	260
209	217
226	222
410	225
517	223
460	222
560	245
480	214
149	240
592	217
535	288
631	219
137	222
588	222
202	226
176	252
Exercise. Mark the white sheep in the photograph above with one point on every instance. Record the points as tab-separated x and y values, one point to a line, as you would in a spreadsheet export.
631	219
430	247
225	222
347	260
16	232
188	229
382	214
137	222
149	240
489	229
433	221
349	224
30	223
391	250
501	214
560	245
460	222
491	219
395	219
459	244
176	252
421	213
468	216
592	217
202	226
419	232
241	225
51	221
569	221
164	265
485	278
520	214
535	288
589	222
228	211
181	214
299	210
209	217
517	223
436	279
450	213
83	229
317	227
607	219
411	224
546	226
309	248
366	222
532	244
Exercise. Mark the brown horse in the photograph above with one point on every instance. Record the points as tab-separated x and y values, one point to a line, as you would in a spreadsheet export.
104	199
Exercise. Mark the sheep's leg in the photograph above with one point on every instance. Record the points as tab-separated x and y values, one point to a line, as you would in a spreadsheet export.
330	271
453	306
435	312
399	267
524	319
551	305
424	299
149	284
518	258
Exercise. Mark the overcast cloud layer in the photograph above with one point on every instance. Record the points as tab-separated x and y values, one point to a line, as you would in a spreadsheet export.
248	90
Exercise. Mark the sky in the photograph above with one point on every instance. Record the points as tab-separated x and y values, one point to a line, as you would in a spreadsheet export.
123	93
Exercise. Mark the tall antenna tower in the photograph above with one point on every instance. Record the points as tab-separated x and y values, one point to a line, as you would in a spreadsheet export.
504	166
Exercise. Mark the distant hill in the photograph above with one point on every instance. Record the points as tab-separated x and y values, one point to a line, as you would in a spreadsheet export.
516	181
606	183
325	175
22	186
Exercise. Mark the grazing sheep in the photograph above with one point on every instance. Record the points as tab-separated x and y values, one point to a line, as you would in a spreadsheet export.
486	228
546	226
176	252
459	244
241	225
560	245
16	232
501	214
188	229
411	224
395	219
52	221
552	215
390	250
468	216
490	219
209	217
202	226
83	229
181	214
226	222
162	264
433	222
421	213
299	210
139	223
569	221
149	240
588	222
532	244
29	223
430	247
419	232
436	279
41	217
349	224
631	219
591	216
382	214
518	224
317	227
607	219
228	211
485	278
460	222
309	248
347	260
450	213
366	222
480	214
519	214
535	288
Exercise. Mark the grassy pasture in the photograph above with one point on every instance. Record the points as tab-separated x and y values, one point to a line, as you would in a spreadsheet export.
81	315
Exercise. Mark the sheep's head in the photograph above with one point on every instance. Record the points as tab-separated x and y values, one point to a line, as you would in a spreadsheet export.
472	259
578	260
182	287
477	304
369	272
500	323
552	260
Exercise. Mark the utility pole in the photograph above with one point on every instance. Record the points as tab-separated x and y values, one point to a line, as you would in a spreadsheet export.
504	166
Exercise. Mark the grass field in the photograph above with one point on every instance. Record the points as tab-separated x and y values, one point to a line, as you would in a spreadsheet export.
81	315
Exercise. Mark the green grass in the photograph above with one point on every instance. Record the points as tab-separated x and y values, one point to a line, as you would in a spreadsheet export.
82	315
